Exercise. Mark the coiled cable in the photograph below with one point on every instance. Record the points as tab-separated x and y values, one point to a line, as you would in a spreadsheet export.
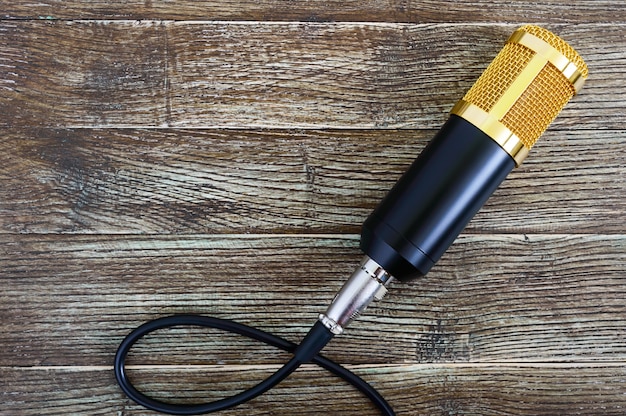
307	351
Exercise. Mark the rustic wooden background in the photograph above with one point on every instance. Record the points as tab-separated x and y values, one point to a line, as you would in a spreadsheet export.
219	158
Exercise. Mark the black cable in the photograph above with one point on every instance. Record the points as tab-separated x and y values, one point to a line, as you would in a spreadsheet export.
307	351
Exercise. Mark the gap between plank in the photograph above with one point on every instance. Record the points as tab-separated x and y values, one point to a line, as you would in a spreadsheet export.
459	365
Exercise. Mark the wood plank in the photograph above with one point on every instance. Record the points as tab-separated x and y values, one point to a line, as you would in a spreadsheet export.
225	181
573	389
288	75
486	11
59	73
356	75
69	300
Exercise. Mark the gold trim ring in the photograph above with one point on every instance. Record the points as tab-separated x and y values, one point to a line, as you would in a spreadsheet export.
493	128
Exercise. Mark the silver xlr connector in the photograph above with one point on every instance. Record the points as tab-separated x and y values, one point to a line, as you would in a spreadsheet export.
368	283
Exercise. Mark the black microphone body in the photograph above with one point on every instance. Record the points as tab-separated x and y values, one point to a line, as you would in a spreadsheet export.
435	199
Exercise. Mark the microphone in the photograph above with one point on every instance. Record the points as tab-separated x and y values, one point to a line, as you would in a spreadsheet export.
489	132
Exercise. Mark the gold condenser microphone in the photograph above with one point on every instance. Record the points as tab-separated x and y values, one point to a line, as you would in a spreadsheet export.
489	132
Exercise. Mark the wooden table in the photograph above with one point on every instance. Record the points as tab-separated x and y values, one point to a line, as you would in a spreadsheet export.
219	158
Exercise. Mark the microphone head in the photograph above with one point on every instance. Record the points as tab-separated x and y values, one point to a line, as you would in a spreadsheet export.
524	88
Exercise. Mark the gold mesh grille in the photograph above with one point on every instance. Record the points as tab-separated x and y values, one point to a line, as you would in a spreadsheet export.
539	105
522	89
560	45
499	75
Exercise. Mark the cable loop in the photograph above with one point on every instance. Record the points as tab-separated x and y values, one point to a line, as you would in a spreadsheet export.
315	340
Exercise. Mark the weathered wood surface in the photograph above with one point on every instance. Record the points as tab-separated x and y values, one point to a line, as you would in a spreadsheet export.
201	166
486	11
491	298
226	181
262	75
417	389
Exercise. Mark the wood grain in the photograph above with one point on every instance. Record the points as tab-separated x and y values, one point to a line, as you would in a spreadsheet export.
234	181
55	73
485	11
491	298
262	75
218	158
573	389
